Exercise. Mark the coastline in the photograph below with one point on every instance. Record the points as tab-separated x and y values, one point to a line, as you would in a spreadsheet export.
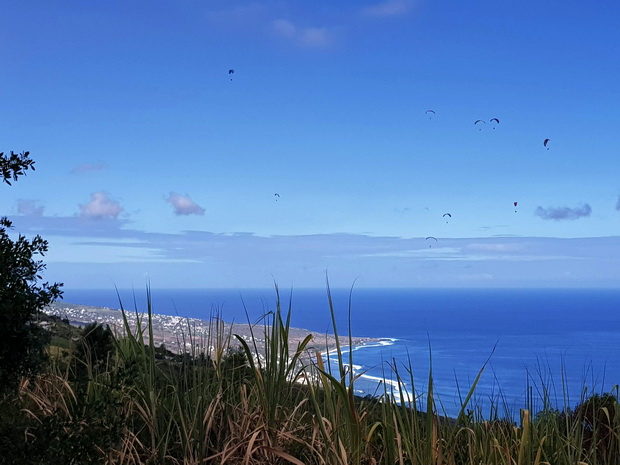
182	334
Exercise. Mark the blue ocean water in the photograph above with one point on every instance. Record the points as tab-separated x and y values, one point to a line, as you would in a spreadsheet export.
541	343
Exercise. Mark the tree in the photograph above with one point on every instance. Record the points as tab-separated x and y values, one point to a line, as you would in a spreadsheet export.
15	165
96	344
22	296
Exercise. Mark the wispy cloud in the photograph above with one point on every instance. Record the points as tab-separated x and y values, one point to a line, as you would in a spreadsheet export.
305	36
284	28
183	205
496	247
564	213
455	254
497	226
475	277
87	167
388	8
100	207
353	248
29	207
382	261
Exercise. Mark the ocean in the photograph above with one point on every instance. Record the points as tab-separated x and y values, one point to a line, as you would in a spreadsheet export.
553	344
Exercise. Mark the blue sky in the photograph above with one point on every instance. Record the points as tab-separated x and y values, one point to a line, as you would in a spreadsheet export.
154	162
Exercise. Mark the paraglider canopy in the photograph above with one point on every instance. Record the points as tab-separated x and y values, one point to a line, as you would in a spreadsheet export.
231	71
430	111
447	214
545	143
276	195
496	121
515	204
432	239
479	121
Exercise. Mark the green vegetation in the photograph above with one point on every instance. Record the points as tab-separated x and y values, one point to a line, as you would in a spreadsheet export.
98	397
108	398
22	342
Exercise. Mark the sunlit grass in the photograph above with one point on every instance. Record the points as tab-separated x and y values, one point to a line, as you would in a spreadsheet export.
228	402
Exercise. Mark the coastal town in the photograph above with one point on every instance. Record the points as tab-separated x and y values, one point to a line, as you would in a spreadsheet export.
180	334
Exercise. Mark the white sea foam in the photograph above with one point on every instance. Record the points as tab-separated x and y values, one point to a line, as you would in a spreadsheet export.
380	343
397	387
356	368
379	379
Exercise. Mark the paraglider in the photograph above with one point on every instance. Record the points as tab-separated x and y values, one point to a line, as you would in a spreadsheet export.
430	111
447	214
545	143
432	239
276	195
479	121
494	119
515	204
231	71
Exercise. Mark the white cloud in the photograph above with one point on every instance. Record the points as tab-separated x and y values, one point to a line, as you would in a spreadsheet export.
246	260
284	28
100	207
564	213
183	205
29	207
454	254
495	247
476	277
388	8
305	36
315	37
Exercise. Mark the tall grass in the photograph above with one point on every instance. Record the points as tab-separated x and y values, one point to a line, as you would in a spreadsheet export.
229	401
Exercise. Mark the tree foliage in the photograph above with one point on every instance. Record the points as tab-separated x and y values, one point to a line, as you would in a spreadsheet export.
22	295
96	344
15	165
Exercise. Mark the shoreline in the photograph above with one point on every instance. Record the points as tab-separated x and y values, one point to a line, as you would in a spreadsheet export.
367	342
184	334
